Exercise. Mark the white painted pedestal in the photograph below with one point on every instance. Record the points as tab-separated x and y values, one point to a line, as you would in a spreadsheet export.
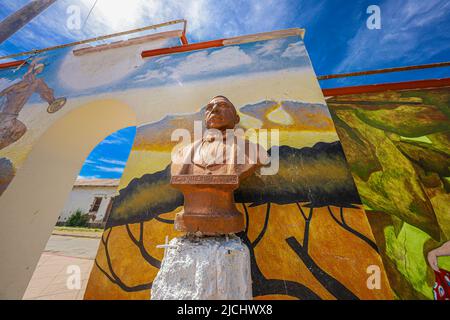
204	268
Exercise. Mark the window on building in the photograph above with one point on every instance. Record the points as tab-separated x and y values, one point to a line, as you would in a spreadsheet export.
96	204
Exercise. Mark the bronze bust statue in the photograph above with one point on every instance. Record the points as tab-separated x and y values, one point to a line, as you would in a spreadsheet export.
208	171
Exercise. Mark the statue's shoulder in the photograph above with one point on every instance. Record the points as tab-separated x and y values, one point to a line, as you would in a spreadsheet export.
182	154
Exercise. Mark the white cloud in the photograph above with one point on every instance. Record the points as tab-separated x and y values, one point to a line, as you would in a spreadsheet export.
110	169
162	59
408	29
120	15
116	13
115	138
112	141
151	74
113	161
207	19
270	47
294	50
105	67
218	60
88	177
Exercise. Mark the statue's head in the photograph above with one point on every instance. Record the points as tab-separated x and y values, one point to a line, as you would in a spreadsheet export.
221	114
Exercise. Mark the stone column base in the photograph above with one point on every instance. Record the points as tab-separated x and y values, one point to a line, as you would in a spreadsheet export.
204	268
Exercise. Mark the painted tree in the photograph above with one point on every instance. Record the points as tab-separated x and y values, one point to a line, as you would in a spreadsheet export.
143	200
308	177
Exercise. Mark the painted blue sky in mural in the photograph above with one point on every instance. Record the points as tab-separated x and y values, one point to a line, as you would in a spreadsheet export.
245	59
337	38
266	56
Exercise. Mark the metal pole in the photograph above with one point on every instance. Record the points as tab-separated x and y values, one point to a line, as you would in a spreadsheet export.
21	17
396	69
155	26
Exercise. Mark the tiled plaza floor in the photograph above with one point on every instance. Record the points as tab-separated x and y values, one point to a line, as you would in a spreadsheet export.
49	281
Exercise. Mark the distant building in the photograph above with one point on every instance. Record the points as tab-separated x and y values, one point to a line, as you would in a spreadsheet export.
91	196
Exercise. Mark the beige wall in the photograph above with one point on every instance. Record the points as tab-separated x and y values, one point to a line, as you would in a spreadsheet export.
31	205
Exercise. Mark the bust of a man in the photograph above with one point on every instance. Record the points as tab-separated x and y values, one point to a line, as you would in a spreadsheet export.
208	171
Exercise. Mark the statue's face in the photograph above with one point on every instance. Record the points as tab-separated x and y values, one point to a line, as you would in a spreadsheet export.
220	114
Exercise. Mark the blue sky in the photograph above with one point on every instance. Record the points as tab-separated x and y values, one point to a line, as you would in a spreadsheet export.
108	159
337	39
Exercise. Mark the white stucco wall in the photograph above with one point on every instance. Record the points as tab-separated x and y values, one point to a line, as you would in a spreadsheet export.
83	197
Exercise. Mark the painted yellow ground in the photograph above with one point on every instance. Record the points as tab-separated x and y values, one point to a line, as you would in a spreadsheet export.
335	250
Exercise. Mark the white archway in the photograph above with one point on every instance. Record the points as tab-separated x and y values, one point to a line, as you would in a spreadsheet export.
32	203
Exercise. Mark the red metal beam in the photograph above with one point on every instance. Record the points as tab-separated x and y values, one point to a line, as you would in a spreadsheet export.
419	84
12	64
184	40
378	71
184	48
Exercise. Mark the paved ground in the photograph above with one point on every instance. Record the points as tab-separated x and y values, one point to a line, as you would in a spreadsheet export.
49	281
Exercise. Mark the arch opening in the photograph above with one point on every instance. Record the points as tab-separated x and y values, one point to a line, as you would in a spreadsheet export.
35	197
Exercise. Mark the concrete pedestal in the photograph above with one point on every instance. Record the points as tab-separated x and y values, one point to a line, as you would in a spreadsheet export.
204	268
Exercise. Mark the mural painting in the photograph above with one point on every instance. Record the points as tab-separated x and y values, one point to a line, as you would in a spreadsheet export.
16	96
92	88
397	144
32	93
308	235
13	98
318	225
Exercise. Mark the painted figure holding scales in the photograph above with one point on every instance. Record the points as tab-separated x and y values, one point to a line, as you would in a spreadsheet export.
208	171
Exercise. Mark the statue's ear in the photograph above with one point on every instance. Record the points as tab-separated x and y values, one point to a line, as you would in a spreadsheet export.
238	119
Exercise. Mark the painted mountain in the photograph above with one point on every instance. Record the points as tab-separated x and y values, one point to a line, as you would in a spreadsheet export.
292	115
267	114
300	178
